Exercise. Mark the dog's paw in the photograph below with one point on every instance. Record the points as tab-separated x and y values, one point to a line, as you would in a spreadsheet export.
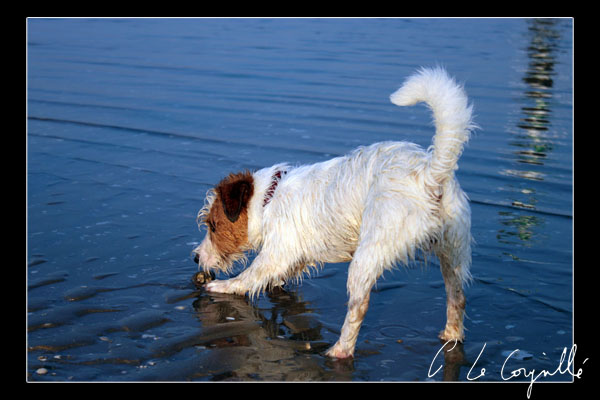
452	334
217	286
221	286
337	351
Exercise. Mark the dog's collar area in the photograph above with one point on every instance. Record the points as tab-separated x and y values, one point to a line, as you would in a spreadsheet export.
274	182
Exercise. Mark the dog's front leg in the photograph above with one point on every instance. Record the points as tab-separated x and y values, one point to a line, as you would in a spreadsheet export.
256	278
231	286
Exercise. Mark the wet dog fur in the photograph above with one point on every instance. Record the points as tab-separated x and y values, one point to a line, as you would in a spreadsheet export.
375	207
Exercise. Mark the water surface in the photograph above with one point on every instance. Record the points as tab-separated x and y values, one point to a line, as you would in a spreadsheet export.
131	121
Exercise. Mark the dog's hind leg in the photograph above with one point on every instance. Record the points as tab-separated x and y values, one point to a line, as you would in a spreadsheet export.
455	302
362	275
454	253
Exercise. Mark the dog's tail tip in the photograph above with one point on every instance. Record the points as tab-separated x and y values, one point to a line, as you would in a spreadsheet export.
413	90
430	85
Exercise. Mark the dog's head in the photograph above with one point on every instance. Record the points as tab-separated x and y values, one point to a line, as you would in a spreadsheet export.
225	216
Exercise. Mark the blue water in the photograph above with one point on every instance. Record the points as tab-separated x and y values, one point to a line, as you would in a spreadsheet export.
131	121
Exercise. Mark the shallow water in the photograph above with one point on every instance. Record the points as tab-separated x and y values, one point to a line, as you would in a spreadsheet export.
130	122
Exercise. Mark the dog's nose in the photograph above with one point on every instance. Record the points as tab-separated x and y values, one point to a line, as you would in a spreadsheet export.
195	257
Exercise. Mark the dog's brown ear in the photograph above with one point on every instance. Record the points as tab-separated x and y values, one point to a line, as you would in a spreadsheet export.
235	192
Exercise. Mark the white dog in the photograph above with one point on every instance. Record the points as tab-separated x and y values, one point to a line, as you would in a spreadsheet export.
375	207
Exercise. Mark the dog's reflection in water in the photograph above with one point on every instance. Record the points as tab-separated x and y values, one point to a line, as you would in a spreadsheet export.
251	343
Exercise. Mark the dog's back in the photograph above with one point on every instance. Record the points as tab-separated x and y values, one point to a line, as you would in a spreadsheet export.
333	195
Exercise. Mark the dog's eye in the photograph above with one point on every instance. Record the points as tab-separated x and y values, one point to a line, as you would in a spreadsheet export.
211	224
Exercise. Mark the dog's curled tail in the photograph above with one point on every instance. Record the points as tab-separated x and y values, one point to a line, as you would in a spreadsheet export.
451	112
